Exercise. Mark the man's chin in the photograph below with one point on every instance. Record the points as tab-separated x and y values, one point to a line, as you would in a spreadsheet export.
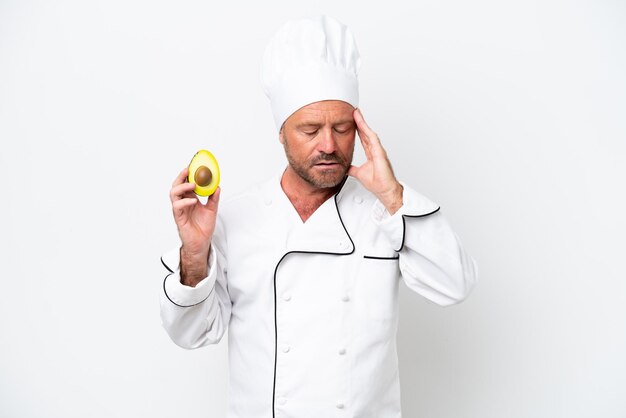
327	177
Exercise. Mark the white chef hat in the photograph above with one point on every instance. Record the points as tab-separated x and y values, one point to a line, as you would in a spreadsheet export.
309	60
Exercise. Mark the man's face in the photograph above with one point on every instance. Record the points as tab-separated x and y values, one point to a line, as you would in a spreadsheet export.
319	142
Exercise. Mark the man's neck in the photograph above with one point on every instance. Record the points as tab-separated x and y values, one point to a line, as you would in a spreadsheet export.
304	197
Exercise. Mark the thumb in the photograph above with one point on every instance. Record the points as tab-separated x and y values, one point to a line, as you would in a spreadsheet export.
214	200
353	171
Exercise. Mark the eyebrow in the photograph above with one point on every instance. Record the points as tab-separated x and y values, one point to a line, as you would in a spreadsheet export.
315	124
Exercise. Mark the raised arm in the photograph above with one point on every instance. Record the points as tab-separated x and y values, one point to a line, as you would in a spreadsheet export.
194	300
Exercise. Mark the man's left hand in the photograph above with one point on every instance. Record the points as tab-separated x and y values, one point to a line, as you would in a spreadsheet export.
376	173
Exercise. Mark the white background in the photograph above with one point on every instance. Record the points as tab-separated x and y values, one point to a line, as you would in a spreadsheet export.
510	115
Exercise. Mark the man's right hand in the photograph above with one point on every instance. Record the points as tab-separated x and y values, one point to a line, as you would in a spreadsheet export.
196	224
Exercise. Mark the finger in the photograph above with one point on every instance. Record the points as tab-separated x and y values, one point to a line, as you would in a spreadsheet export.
366	147
181	190
214	200
372	146
181	204
362	125
181	177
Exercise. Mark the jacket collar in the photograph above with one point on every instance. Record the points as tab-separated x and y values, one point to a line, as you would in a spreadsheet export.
324	231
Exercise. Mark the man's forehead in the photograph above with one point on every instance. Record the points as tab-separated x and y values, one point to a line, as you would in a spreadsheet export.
334	111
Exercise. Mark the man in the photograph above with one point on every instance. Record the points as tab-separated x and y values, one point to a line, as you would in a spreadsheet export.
303	270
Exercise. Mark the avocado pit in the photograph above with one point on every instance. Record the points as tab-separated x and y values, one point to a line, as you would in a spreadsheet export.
203	176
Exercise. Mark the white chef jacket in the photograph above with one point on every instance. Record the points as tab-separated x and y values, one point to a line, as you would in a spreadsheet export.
311	307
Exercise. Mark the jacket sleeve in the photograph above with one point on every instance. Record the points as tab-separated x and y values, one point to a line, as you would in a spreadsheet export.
432	260
195	316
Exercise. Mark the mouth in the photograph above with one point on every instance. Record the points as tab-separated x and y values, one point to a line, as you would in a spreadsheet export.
327	163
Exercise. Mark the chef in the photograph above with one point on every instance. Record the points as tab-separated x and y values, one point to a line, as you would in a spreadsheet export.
303	270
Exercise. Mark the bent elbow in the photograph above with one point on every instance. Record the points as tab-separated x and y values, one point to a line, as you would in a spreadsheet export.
191	339
187	344
192	327
466	282
444	287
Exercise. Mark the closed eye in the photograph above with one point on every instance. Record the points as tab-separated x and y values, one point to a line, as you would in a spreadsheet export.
344	128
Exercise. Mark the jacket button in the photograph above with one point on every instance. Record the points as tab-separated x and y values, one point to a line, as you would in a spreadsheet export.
345	298
285	349
286	296
358	199
342	351
339	405
282	400
268	201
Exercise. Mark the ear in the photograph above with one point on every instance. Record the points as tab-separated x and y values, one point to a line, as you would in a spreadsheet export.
281	137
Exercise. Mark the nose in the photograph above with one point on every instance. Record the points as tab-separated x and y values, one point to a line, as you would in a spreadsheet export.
327	142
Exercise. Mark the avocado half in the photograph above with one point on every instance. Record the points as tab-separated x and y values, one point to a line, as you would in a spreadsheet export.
204	172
